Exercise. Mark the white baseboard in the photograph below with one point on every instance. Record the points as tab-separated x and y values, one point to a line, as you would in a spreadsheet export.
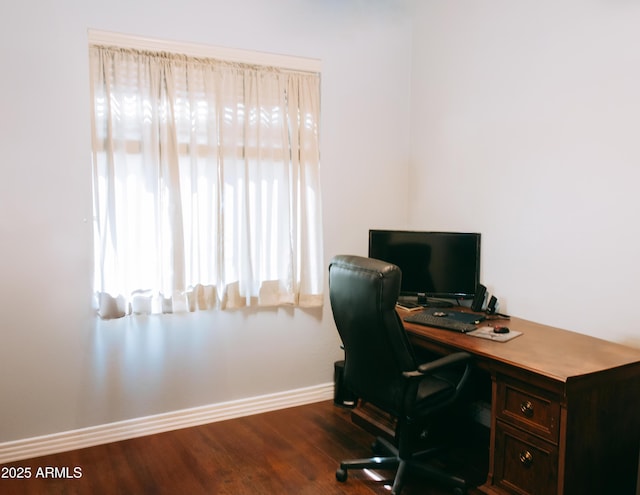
149	425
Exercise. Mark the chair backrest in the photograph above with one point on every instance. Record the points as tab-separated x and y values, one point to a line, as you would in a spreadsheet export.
363	294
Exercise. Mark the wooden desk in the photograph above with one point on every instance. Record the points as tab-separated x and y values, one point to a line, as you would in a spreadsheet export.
565	409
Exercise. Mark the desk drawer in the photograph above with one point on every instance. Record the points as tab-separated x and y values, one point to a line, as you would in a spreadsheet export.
525	465
533	409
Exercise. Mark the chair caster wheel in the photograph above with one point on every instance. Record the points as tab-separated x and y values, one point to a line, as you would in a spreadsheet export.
341	475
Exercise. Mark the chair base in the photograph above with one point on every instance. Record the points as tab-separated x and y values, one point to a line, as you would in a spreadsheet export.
391	460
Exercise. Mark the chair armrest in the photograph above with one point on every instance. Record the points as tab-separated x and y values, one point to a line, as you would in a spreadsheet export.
440	363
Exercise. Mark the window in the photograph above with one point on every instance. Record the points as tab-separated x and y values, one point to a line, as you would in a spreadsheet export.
205	183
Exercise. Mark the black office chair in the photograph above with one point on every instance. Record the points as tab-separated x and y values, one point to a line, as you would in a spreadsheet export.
380	367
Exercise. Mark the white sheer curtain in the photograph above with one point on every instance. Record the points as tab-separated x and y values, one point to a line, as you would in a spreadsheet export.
206	184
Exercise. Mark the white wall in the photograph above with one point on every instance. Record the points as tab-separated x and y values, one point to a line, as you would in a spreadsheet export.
60	368
525	126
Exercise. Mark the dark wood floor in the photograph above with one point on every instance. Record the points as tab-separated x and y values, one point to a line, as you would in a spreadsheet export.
292	451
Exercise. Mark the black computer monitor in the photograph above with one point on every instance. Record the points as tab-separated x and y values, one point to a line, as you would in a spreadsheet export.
434	264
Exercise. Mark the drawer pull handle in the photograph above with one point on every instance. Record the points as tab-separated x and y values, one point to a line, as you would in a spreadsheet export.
526	458
527	408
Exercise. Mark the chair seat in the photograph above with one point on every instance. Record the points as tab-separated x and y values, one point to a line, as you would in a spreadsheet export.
432	391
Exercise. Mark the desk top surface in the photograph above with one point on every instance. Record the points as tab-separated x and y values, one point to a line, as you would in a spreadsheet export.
558	354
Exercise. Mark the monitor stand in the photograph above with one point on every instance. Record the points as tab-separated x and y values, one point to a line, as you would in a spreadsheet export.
438	303
428	302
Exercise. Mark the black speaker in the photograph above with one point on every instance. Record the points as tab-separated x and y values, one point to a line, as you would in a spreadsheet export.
341	395
491	307
478	298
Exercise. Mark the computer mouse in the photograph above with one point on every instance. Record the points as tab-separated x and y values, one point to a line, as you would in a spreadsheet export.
501	330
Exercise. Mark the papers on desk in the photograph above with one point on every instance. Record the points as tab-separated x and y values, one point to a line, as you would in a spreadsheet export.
489	334
409	306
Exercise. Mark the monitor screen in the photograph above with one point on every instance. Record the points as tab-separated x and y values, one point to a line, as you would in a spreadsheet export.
433	264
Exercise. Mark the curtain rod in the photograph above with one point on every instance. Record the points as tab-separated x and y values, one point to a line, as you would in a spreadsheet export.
251	57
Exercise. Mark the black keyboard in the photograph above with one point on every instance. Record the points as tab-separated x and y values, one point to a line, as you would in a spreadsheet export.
428	319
